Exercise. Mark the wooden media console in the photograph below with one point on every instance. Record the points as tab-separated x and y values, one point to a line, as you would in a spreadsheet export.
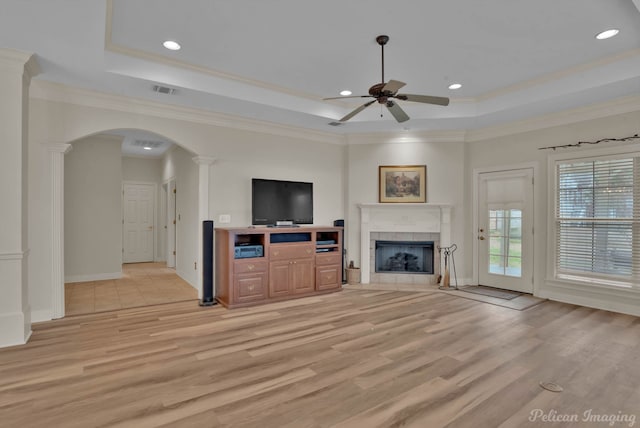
261	265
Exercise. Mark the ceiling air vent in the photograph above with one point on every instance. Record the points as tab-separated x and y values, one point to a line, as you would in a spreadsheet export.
163	89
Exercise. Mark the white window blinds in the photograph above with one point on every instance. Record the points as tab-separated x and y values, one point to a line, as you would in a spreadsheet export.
597	213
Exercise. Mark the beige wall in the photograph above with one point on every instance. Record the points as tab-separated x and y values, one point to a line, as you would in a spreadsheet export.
273	157
142	170
93	209
178	164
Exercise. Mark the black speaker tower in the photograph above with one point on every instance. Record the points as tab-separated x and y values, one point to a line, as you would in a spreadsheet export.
340	223
207	264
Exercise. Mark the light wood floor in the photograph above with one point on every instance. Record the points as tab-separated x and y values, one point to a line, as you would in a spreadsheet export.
142	284
357	358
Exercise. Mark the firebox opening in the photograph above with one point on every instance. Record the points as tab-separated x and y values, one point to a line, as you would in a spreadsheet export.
404	257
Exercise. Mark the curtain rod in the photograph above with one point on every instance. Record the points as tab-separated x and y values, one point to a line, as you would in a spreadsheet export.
580	143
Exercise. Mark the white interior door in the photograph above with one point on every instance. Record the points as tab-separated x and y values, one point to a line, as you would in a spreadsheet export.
505	229
138	218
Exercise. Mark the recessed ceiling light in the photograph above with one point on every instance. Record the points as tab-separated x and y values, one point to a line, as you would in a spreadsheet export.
147	148
455	86
607	34
171	45
345	92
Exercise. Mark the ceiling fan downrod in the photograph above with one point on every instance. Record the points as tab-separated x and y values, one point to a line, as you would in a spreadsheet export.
382	40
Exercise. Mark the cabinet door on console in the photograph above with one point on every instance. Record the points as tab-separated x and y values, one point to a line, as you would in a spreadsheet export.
278	278
302	278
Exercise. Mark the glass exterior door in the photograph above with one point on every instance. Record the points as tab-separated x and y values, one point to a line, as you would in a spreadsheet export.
505	230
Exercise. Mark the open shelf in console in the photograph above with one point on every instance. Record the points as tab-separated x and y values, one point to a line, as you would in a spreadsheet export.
327	241
249	245
245	239
286	237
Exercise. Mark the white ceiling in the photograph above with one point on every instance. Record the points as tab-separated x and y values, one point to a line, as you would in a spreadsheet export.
275	60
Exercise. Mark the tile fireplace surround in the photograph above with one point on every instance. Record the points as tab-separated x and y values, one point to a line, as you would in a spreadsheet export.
401	219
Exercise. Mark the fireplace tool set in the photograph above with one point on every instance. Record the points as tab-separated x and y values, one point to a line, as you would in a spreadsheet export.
448	252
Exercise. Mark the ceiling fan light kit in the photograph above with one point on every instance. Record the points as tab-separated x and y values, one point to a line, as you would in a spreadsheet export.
384	92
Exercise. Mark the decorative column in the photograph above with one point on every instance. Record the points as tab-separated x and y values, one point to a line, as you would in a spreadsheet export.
365	245
203	162
56	178
16	70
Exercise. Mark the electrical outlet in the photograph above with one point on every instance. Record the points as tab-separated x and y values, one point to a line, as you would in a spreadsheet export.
224	218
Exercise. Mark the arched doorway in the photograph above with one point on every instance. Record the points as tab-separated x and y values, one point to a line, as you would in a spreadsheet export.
143	169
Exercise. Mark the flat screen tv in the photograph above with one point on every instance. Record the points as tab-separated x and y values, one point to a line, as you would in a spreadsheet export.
277	201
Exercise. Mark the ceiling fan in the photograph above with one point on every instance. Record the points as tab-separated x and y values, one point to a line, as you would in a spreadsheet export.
383	92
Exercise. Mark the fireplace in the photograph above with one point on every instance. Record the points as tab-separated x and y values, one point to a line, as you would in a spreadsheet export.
411	223
414	257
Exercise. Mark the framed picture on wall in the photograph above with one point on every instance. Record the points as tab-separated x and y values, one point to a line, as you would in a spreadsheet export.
406	183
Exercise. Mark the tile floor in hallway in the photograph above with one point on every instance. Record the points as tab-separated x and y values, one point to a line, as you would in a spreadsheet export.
142	284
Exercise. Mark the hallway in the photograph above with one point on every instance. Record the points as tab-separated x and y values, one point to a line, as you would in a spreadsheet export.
142	284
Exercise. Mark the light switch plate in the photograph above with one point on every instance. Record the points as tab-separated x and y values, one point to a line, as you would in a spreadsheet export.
224	218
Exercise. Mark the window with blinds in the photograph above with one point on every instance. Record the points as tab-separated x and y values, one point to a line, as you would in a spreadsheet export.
597	213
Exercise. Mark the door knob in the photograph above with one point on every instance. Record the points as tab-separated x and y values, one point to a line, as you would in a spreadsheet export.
481	238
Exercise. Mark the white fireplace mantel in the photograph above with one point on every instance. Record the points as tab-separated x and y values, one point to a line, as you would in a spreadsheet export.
415	218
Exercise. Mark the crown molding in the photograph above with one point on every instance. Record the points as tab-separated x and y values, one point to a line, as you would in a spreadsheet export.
57	92
594	111
555	76
453	136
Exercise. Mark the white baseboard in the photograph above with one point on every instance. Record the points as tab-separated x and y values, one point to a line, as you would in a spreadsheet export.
12	329
608	301
93	277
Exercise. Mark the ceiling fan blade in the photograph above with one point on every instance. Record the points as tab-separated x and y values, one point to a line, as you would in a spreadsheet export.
356	111
397	112
393	86
352	96
441	101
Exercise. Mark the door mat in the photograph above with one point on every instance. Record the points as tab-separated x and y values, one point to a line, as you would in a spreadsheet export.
491	292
